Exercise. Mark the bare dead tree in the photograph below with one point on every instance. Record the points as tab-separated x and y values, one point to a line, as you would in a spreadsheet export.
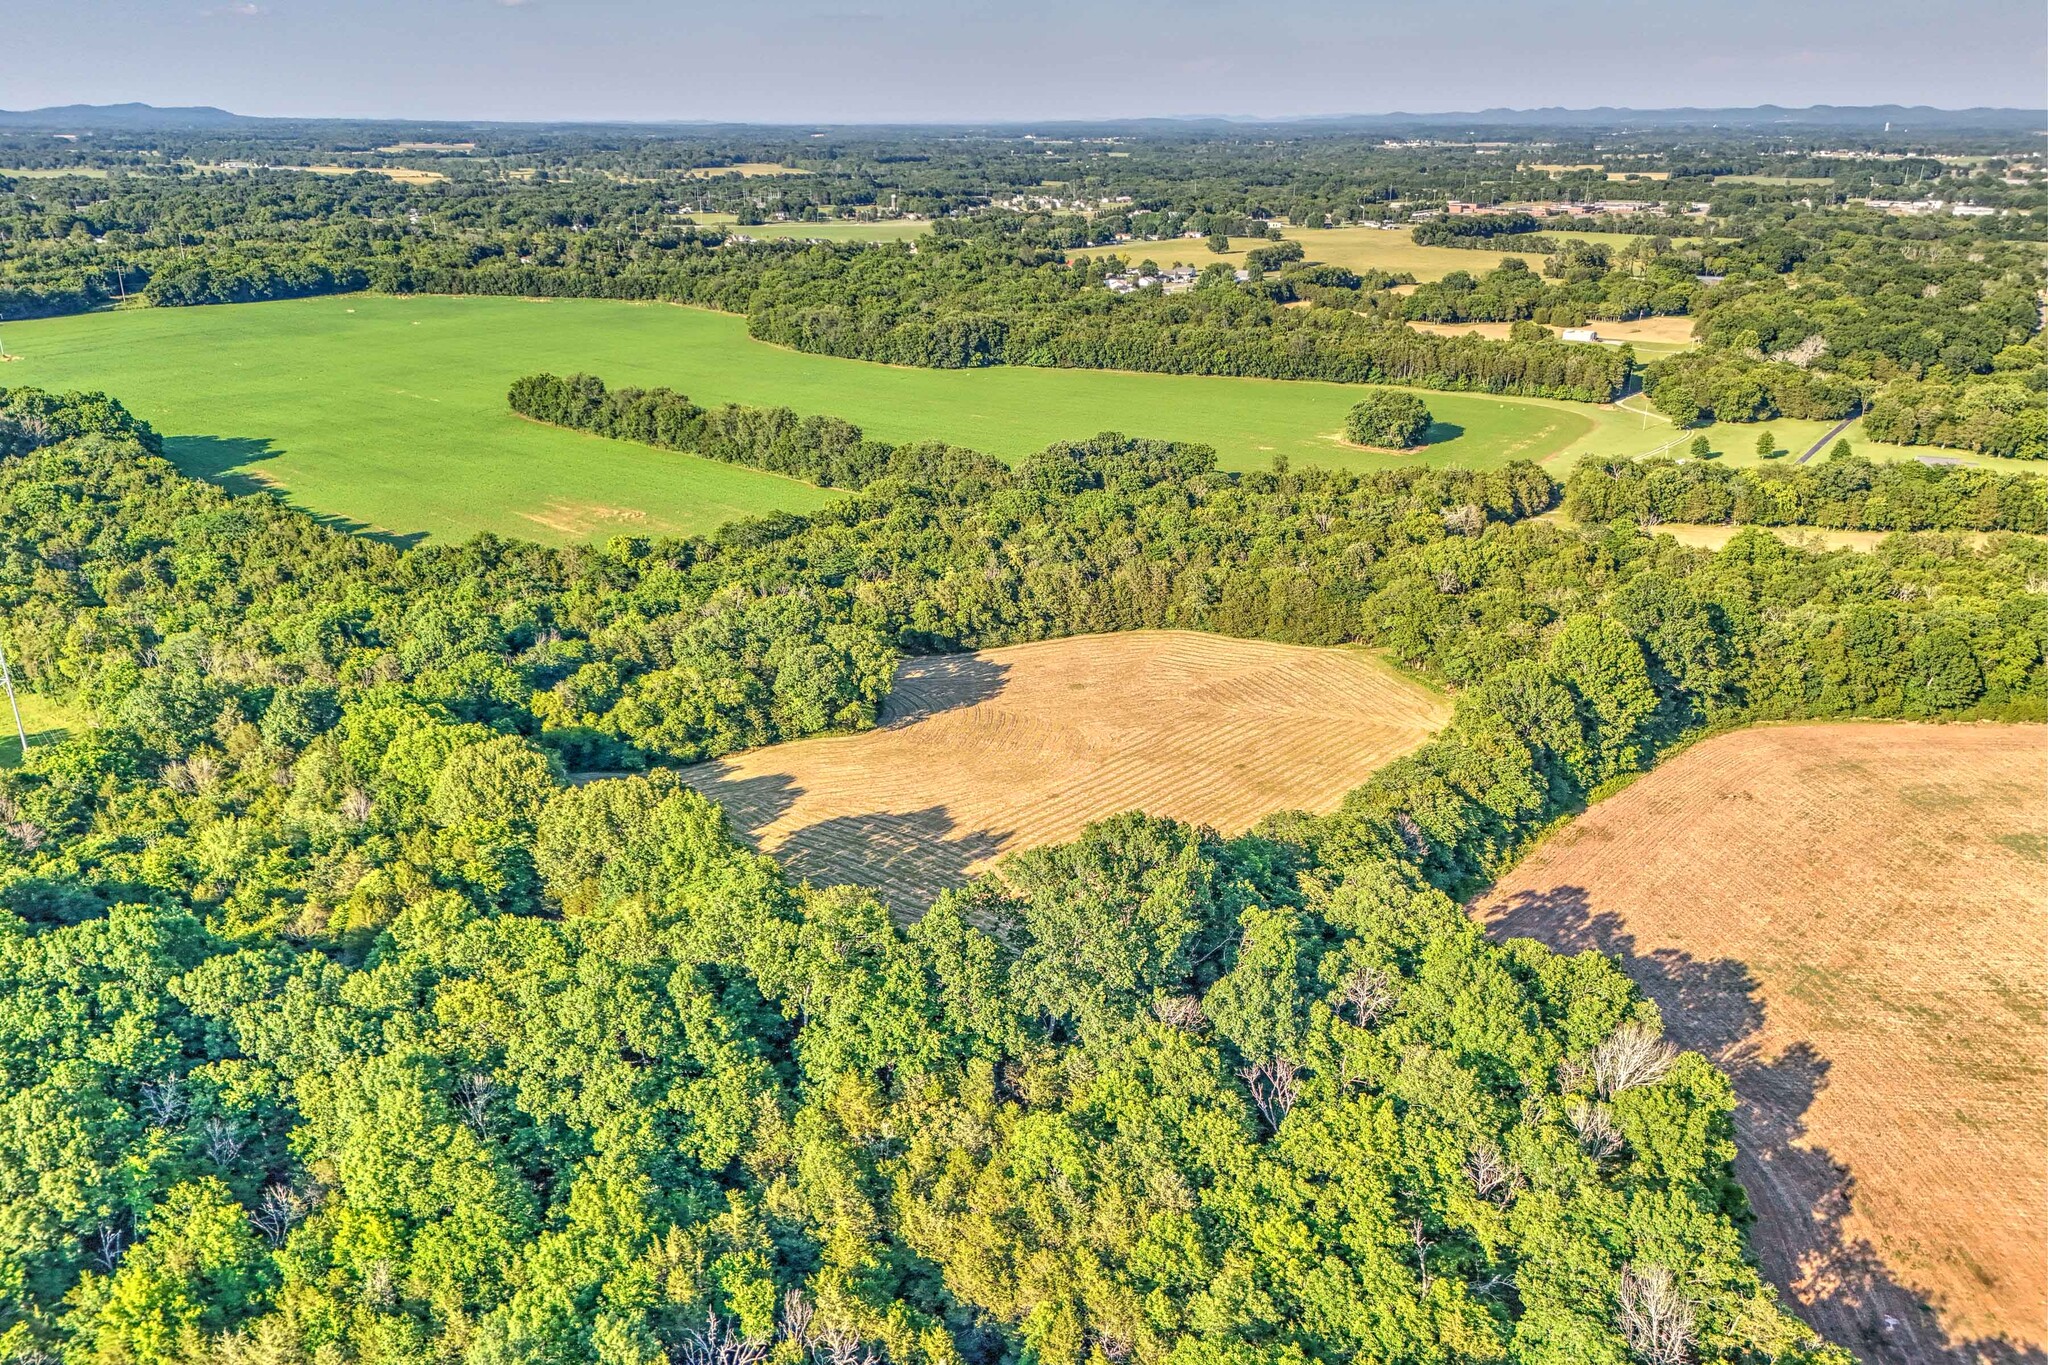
718	1343
1465	519
1183	1012
1416	1234
203	769
473	1095
1411	834
1493	1175
355	805
1498	1283
1594	1123
842	1347
1634	1056
378	1291
280	1208
1368	994
108	1242
1571	1074
224	1142
1275	1086
797	1315
1657	1320
163	1101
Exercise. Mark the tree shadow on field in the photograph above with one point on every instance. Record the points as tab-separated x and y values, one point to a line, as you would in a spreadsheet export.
751	803
905	857
1802	1196
1439	432
225	461
945	682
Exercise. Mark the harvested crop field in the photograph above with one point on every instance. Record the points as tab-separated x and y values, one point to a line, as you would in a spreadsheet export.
978	755
1852	920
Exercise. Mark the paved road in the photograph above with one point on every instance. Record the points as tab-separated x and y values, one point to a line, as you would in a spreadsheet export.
1836	430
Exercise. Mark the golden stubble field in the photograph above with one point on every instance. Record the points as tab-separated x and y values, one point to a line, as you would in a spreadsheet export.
1852	920
978	755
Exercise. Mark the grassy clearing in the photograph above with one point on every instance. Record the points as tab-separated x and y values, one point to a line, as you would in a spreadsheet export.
979	755
1772	180
389	413
47	723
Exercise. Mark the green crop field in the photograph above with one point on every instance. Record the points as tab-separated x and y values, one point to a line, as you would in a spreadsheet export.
388	414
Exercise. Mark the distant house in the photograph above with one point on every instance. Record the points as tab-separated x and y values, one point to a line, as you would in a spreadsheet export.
1459	208
1710	280
1579	334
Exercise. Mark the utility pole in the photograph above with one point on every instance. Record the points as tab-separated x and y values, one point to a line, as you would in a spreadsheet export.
7	681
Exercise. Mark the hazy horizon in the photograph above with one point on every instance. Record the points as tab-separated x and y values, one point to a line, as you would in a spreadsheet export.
924	61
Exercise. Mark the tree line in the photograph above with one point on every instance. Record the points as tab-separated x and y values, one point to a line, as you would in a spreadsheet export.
830	452
1844	492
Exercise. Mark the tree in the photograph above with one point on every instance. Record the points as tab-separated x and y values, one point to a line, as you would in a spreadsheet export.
1766	446
1217	243
1389	419
1701	448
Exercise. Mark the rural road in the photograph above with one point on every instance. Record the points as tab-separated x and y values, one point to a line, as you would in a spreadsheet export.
1832	432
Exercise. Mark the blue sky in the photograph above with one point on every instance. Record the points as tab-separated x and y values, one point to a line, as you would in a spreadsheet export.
910	60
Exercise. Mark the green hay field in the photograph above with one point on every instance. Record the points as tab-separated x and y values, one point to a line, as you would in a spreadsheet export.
388	414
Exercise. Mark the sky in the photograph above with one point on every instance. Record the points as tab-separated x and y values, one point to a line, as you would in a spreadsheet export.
841	61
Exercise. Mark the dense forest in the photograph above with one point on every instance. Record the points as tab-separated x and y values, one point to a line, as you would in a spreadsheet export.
336	1023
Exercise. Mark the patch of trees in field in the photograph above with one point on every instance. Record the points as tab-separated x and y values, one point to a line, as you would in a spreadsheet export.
830	452
1843	492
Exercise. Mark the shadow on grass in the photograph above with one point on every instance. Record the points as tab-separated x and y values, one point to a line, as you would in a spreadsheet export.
10	745
1805	1196
1439	432
225	462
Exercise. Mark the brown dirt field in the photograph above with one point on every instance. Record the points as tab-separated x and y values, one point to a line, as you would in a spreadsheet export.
1657	331
978	755
1852	920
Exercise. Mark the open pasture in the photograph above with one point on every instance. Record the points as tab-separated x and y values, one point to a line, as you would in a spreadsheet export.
389	413
979	755
1849	919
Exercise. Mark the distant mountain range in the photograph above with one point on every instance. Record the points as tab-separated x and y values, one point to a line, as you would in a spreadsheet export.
95	116
1869	117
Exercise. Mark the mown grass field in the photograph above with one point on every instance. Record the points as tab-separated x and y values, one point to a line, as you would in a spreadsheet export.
979	755
1849	920
389	413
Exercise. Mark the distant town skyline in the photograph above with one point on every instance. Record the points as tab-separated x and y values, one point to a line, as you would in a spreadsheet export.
933	61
